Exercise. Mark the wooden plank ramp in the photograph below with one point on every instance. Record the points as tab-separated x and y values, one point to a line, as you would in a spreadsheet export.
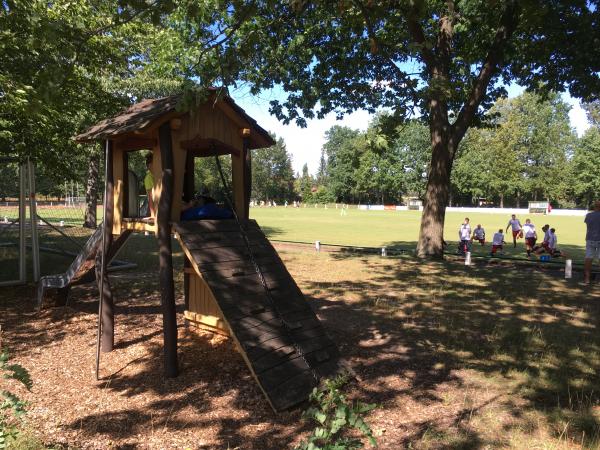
280	337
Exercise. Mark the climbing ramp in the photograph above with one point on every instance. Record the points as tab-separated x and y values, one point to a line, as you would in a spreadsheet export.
81	269
279	336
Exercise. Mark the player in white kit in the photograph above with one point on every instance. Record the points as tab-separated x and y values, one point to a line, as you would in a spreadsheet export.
515	225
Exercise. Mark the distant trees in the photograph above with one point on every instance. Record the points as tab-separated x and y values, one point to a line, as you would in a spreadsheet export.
272	173
527	151
524	155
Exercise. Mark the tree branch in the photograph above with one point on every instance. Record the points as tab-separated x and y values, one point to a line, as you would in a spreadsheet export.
508	23
416	31
213	43
444	40
405	77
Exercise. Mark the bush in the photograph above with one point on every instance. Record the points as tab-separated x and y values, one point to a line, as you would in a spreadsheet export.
12	408
334	417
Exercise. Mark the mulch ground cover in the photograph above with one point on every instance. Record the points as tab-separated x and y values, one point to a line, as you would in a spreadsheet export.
426	341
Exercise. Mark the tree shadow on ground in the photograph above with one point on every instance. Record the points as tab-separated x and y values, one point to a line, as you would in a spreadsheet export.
406	326
433	319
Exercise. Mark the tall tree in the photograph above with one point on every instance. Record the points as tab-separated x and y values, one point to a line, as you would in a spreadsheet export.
412	144
446	58
343	158
272	173
586	168
304	184
322	172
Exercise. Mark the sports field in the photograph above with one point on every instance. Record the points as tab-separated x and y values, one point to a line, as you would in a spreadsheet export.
373	228
401	228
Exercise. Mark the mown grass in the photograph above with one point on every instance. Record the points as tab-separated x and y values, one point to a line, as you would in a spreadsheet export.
401	228
494	356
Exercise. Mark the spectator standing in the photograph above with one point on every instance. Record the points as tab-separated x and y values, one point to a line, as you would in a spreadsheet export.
592	241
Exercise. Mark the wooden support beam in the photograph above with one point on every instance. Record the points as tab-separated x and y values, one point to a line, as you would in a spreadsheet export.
108	314
247	174
188	178
167	286
208	147
176	123
136	143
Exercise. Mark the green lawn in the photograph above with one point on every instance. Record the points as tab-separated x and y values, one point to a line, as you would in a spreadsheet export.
401	228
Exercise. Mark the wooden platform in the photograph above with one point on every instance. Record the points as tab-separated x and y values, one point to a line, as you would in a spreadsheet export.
271	335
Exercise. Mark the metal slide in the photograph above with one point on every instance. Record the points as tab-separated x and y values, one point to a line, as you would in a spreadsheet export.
81	269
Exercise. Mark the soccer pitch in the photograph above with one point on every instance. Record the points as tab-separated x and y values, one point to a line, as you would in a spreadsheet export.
401	228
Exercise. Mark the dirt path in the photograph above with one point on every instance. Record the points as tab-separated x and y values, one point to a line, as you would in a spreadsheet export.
431	344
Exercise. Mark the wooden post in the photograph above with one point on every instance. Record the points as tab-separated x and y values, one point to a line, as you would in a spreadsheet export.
167	286
247	157
188	187
108	314
186	281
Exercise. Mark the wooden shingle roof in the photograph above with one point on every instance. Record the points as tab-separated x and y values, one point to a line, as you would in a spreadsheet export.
137	117
142	115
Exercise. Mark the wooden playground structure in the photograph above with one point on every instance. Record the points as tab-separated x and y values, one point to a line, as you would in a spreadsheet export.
234	281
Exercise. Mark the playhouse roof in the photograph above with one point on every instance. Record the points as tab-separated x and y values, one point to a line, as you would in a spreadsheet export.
144	114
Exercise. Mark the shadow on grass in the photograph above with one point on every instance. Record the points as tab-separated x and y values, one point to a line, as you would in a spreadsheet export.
431	319
419	322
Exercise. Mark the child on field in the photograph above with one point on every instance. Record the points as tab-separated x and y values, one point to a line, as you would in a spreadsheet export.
464	235
479	234
552	244
539	249
497	242
530	236
515	225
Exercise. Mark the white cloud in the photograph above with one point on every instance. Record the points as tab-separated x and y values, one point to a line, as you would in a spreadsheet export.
577	115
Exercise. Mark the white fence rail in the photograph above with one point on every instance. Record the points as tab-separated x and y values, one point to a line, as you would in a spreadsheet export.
505	211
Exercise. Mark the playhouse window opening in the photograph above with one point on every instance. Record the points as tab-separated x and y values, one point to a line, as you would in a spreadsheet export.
136	199
206	180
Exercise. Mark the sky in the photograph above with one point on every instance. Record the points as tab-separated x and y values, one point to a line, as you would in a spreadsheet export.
304	144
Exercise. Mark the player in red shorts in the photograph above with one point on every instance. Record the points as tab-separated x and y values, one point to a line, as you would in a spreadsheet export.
544	247
530	236
479	234
497	242
517	229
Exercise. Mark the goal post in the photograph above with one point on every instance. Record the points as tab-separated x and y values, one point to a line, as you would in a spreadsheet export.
538	207
415	204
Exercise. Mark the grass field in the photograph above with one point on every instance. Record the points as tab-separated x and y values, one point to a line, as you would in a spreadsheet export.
401	228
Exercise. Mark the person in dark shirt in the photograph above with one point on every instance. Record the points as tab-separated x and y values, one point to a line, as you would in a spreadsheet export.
592	241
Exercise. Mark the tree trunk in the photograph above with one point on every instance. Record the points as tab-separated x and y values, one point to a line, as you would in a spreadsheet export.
91	192
431	235
165	254
501	200
518	200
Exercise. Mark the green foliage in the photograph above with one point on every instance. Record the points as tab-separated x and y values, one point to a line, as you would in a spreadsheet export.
526	153
586	161
272	174
208	180
12	408
304	185
334	416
